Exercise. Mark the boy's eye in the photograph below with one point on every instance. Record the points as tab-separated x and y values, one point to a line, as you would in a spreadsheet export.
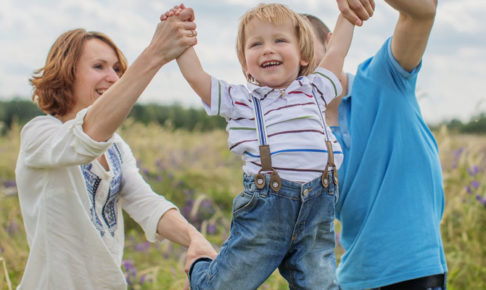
98	66
253	44
280	40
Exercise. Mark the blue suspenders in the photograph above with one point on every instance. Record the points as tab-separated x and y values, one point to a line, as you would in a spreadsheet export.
330	154
266	159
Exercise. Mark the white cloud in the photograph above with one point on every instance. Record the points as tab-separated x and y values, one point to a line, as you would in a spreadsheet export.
462	16
451	77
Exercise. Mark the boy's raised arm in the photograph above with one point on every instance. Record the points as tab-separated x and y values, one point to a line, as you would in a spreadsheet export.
194	74
188	61
338	46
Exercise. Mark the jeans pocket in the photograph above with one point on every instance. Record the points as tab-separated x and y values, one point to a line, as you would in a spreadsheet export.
243	201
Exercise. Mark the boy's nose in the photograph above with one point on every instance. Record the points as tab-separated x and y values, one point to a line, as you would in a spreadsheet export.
268	49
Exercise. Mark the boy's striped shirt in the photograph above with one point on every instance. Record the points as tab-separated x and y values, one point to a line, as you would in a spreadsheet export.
295	132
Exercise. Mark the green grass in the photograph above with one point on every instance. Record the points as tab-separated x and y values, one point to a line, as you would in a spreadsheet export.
197	172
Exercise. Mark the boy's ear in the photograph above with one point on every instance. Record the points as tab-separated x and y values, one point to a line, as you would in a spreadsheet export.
247	73
304	62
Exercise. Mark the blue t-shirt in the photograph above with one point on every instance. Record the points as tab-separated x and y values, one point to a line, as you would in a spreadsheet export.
392	197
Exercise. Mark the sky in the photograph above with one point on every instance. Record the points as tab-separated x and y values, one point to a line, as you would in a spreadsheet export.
450	84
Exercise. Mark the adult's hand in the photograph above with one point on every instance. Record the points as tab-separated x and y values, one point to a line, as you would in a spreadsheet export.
176	11
356	11
174	35
198	248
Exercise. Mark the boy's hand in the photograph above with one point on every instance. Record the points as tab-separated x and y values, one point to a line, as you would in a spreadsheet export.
183	13
176	11
356	11
174	35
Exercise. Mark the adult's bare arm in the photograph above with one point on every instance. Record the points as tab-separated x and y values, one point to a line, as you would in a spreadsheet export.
174	227
412	30
107	113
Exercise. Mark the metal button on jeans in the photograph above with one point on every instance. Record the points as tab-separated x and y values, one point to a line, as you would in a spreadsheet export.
306	192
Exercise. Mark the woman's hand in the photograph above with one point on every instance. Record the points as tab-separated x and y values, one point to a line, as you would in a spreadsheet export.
174	34
198	248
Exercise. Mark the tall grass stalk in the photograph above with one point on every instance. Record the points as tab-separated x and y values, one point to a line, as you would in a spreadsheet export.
7	278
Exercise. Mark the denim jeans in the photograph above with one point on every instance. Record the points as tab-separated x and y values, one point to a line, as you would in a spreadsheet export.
292	230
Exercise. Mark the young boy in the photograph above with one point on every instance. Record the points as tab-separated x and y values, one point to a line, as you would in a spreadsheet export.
284	218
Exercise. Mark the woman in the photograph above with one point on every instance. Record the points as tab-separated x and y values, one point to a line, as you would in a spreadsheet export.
75	174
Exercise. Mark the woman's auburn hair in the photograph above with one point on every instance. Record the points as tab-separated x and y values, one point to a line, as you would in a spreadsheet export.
278	14
53	83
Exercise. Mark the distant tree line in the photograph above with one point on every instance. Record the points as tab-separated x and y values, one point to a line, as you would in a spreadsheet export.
476	125
20	111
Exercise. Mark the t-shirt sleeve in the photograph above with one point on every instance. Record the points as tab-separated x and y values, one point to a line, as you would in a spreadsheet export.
327	86
224	96
397	76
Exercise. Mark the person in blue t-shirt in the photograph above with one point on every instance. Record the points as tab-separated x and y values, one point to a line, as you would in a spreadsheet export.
392	198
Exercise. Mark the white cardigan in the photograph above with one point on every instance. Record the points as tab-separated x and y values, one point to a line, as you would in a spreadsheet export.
75	231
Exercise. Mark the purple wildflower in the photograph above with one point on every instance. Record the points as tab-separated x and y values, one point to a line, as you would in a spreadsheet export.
475	184
468	189
186	210
9	183
481	199
211	229
188	192
128	265
12	227
145	171
458	152
142	247
142	279
472	171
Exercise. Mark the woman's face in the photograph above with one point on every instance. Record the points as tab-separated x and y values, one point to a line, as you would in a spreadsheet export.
98	68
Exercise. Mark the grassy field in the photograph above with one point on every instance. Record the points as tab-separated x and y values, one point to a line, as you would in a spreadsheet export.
198	173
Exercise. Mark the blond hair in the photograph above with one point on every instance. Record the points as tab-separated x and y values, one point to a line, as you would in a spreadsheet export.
279	14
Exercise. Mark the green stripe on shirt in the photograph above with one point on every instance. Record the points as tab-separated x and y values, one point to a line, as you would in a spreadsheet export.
333	85
241	128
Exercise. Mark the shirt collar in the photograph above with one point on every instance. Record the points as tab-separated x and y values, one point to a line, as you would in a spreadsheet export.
262	92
